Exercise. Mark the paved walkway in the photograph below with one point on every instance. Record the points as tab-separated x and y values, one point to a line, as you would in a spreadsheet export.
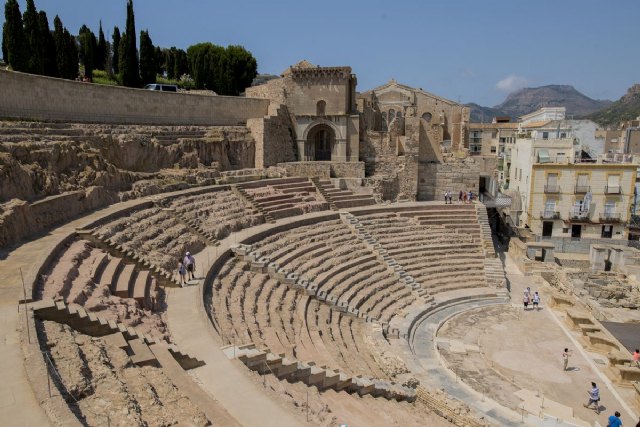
540	338
18	404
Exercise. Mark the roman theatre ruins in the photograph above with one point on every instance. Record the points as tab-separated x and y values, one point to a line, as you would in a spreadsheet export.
332	285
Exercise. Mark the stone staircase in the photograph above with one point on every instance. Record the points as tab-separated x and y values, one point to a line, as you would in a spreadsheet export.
358	229
263	264
341	199
117	333
494	273
242	193
194	226
265	362
487	239
164	277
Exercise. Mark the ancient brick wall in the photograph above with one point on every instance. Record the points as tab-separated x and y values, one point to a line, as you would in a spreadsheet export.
453	174
274	138
27	96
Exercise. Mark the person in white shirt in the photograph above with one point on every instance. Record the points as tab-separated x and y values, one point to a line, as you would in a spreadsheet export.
190	262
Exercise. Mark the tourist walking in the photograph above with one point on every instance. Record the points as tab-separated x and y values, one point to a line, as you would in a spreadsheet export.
526	299
594	397
565	358
460	196
190	262
614	420
182	271
536	301
636	359
470	196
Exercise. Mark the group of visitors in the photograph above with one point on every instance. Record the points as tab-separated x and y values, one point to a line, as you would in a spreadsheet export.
463	197
187	267
534	299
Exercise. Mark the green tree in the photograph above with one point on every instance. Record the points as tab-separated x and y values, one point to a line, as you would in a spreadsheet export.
5	52
66	51
181	65
101	51
71	54
48	46
160	67
115	46
88	47
148	63
13	37
169	60
227	71
241	69
129	71
33	44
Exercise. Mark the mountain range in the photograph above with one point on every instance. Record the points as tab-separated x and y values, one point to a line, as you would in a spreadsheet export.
626	108
528	100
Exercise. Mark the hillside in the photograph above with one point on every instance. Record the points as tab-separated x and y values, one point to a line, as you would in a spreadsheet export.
626	108
527	100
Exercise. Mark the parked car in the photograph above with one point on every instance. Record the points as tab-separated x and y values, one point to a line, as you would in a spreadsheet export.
161	87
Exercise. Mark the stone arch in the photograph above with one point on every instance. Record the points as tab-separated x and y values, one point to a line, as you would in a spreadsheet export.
318	122
320	142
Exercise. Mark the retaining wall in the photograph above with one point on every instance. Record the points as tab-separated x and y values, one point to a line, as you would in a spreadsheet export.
31	97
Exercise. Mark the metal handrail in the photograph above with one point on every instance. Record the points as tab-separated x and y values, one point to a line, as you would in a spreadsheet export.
551	188
612	189
582	189
549	214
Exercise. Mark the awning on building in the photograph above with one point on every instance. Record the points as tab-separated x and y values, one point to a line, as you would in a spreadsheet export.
543	156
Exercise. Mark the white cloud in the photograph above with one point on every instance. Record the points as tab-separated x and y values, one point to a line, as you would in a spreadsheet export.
512	83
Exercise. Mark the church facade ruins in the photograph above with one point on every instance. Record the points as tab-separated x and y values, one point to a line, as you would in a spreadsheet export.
404	143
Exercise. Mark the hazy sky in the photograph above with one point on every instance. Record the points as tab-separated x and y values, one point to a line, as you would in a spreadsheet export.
471	51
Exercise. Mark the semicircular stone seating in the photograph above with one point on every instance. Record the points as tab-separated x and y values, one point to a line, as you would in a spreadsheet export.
252	306
216	214
83	275
439	246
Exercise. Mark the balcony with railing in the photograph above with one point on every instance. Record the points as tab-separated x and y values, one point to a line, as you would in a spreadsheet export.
612	189
610	217
579	215
582	189
549	214
552	189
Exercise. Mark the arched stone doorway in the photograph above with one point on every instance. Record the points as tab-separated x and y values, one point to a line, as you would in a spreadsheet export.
320	142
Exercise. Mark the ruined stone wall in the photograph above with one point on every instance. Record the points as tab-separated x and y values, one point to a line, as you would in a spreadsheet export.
321	169
274	138
310	169
453	174
20	219
27	96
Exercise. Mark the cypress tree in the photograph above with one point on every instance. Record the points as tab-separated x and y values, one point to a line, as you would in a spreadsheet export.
48	46
87	50
13	36
160	67
170	61
33	44
101	51
148	64
61	45
5	53
115	47
129	67
71	55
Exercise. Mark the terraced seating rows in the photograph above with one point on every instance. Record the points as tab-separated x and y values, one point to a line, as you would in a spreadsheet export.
340	267
153	235
251	307
284	197
216	214
433	246
100	283
342	199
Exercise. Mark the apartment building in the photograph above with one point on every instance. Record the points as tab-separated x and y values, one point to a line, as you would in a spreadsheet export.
561	195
